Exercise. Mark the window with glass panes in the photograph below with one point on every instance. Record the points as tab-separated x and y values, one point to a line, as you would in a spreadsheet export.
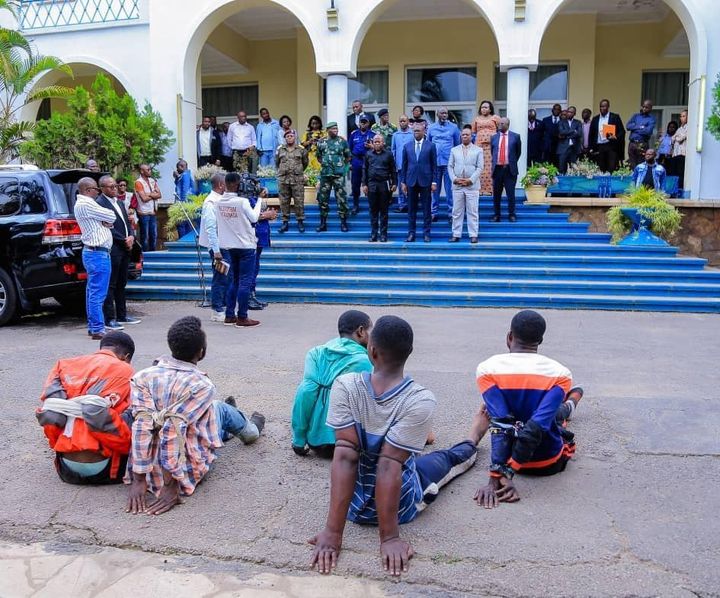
548	86
432	87
370	87
225	102
668	91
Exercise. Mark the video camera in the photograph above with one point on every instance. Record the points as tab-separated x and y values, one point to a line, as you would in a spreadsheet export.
249	186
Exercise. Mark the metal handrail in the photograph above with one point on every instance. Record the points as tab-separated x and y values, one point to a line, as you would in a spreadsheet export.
45	14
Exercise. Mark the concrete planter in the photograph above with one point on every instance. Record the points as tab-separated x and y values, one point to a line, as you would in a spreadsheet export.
535	193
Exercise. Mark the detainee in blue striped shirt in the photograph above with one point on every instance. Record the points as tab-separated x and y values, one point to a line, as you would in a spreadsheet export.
381	421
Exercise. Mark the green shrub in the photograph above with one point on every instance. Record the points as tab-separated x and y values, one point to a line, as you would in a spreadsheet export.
713	123
652	204
176	213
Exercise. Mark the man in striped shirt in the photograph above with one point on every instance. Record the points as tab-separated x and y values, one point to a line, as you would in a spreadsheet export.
95	224
381	423
529	398
178	424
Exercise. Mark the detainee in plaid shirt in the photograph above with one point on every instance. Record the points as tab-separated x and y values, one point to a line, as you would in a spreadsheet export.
178	424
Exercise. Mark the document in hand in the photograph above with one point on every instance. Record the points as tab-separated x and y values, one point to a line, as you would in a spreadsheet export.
608	130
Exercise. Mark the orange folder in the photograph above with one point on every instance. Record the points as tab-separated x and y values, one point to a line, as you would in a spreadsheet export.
608	130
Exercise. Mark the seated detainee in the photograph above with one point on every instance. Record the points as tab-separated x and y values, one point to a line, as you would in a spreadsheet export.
323	364
529	398
178	424
84	414
381	421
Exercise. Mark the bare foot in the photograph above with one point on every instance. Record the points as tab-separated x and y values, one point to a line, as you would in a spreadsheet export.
430	438
480	425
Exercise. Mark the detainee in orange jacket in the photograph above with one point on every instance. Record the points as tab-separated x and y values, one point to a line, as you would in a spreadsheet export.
84	412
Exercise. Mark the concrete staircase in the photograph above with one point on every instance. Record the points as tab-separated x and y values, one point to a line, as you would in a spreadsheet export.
541	261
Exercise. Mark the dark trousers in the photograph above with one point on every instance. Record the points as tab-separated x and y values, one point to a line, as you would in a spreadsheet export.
355	180
114	307
503	179
218	290
258	253
607	157
204	160
242	270
419	197
677	168
566	158
379	198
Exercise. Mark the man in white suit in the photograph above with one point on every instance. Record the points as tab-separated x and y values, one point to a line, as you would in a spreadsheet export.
465	167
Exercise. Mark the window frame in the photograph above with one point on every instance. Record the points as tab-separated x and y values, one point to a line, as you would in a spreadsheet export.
433	106
537	105
667	111
371	108
253	119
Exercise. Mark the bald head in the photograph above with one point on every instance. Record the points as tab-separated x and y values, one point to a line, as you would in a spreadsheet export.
504	124
378	143
218	183
88	186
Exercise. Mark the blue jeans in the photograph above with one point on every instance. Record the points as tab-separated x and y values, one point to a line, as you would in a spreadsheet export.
242	270
232	422
402	198
148	231
258	253
443	181
218	290
439	468
266	158
98	268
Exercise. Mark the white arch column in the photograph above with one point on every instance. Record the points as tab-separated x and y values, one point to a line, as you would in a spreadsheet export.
337	101
518	102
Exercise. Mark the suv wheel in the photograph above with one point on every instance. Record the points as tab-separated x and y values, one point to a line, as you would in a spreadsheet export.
8	298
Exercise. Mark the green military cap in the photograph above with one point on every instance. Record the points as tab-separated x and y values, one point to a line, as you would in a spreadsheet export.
331	124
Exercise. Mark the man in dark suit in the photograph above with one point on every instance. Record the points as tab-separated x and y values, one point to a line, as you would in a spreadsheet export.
506	150
569	139
536	132
607	149
114	308
353	120
419	178
550	135
209	145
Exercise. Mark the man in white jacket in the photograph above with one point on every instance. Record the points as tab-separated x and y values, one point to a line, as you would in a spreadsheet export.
237	240
465	168
209	240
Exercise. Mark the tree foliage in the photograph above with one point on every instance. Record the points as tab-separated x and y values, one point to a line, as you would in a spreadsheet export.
103	125
713	124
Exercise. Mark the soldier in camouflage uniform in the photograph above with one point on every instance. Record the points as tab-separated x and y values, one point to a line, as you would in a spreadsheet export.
291	161
384	127
333	154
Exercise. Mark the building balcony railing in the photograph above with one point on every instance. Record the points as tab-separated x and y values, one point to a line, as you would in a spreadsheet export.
37	15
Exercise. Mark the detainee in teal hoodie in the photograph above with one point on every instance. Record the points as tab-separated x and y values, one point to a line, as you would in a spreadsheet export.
323	364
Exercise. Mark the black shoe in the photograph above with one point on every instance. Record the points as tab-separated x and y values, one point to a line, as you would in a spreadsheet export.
373	238
114	325
129	320
323	225
284	227
473	240
383	238
401	210
410	238
355	211
453	239
259	420
231	401
263	303
426	238
434	218
254	304
495	219
512	218
301	226
343	225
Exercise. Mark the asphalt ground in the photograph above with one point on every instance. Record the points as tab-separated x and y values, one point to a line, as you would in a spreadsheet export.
634	514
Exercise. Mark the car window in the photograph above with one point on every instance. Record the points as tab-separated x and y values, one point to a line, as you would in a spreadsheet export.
32	196
62	198
9	197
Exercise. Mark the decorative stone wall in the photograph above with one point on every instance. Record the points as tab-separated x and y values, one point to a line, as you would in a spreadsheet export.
699	236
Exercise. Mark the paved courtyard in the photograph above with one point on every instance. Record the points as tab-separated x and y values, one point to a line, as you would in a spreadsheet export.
635	514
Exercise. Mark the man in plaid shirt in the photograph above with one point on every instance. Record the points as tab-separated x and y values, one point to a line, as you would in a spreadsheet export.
178	424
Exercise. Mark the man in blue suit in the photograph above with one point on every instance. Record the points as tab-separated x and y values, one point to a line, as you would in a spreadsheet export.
419	178
506	150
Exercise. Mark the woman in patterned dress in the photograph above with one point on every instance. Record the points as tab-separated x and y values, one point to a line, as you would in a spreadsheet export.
485	126
310	140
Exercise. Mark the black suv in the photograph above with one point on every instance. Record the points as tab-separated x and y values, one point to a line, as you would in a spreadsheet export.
40	246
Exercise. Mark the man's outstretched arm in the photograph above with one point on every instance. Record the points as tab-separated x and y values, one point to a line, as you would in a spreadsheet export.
343	474
395	553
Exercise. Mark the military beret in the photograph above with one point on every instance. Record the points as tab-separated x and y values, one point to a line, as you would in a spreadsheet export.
382	112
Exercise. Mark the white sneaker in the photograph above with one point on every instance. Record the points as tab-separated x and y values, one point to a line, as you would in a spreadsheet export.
217	316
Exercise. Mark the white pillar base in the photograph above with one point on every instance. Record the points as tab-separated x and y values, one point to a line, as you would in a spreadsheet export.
337	101
518	100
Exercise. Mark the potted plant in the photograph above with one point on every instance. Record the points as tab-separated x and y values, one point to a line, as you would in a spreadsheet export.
180	211
644	218
537	179
267	176
203	176
312	180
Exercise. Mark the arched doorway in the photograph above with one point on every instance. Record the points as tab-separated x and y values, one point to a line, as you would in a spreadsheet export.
244	56
627	52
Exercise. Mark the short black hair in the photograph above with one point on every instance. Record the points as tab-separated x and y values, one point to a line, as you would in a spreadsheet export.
186	338
393	337
467	127
528	327
232	178
118	340
351	320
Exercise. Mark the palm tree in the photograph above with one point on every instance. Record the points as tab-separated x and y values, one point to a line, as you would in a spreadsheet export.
19	68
